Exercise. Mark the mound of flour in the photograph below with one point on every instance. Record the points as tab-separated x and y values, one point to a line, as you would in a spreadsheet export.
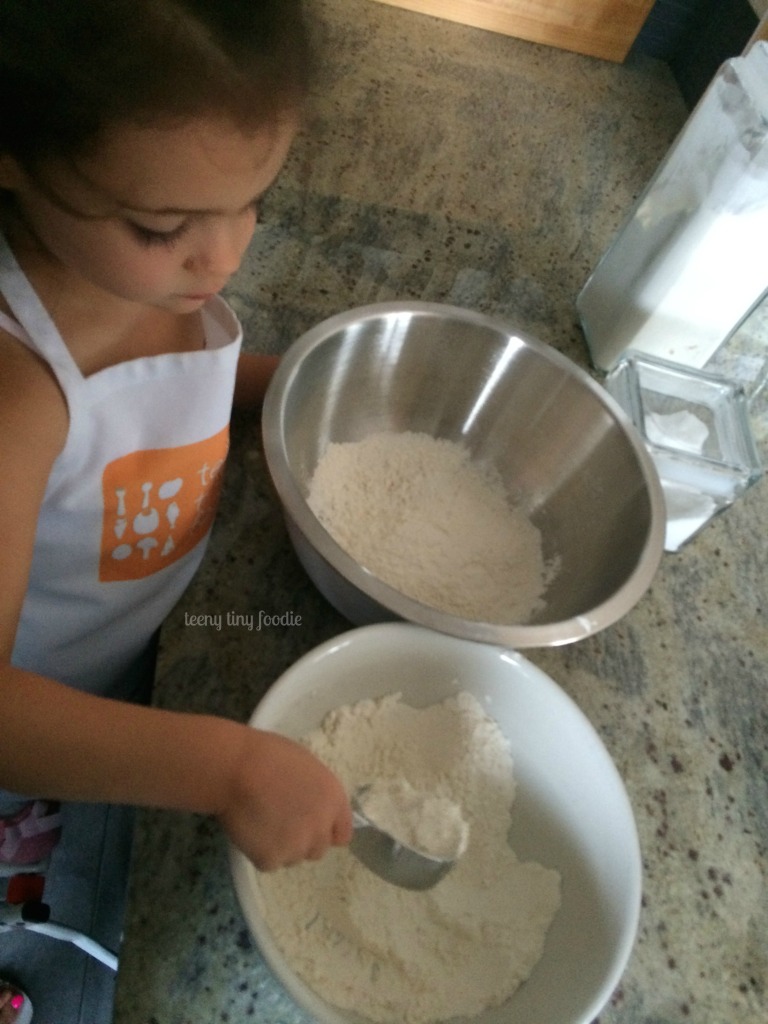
421	515
404	957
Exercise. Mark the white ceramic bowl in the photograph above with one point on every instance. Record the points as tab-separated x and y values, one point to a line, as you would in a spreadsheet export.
571	812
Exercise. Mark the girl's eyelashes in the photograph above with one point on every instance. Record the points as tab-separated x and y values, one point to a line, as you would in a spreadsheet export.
149	236
152	236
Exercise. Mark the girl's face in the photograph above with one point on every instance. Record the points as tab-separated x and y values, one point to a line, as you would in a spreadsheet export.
159	216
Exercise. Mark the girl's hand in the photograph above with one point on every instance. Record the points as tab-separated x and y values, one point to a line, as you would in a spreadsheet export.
283	804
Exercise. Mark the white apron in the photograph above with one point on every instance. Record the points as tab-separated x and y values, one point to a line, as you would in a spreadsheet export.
130	499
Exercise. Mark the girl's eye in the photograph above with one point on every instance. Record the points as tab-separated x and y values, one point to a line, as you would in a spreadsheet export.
149	236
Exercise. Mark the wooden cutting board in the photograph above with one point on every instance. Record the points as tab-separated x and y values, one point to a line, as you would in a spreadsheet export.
598	28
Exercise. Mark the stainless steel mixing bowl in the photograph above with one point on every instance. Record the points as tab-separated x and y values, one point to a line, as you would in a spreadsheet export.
567	453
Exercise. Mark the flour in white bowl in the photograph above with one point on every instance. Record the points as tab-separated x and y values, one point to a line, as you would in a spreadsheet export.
403	957
422	515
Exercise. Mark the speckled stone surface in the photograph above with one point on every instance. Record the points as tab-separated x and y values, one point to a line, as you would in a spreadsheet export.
449	164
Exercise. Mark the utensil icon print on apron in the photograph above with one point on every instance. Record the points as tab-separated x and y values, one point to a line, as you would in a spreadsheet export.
158	504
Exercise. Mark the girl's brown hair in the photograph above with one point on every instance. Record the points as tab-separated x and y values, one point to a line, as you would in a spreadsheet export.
70	69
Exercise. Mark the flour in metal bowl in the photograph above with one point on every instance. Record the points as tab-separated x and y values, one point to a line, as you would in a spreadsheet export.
422	516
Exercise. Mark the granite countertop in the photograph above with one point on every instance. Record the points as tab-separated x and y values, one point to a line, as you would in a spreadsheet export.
453	165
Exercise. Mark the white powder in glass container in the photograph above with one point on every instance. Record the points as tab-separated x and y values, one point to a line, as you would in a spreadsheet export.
404	957
423	516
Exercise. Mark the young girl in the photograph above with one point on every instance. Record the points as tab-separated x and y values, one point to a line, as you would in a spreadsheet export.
136	138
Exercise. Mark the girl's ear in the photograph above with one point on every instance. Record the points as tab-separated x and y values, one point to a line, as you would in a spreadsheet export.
11	173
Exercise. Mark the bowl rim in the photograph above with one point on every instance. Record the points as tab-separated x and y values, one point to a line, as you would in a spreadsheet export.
401	605
387	636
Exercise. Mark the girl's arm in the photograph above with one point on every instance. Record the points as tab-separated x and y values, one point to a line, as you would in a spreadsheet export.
254	373
276	801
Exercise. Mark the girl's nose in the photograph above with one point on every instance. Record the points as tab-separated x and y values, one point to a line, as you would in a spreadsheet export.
220	248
